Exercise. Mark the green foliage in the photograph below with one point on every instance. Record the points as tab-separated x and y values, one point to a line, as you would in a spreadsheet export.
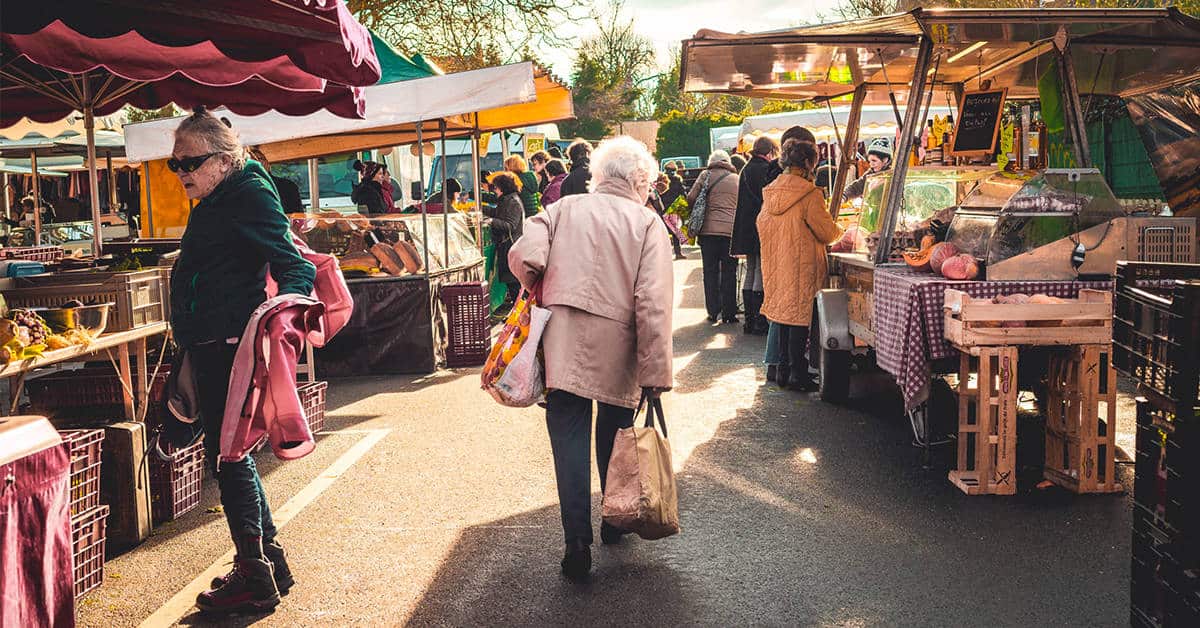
682	135
133	114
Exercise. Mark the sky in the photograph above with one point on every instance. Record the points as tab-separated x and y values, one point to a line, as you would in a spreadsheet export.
669	22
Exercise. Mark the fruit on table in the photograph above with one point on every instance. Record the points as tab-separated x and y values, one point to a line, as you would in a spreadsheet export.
927	241
854	239
942	251
960	267
918	260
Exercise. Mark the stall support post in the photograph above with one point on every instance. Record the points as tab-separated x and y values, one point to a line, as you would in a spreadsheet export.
424	214
895	191
89	125
849	145
445	198
477	193
149	202
37	199
1073	110
314	185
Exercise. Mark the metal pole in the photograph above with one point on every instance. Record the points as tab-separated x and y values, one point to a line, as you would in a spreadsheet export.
477	192
89	124
445	198
314	185
895	191
424	214
849	148
112	182
37	200
1073	110
149	201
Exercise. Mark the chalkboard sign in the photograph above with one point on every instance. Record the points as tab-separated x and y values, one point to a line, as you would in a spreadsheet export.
978	122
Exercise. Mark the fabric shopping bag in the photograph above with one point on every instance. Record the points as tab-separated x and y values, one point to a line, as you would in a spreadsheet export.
514	374
640	491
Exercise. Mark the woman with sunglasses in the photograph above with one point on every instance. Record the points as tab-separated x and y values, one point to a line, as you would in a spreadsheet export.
236	233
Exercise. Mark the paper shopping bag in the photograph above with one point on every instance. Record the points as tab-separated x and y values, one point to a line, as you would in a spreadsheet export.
640	486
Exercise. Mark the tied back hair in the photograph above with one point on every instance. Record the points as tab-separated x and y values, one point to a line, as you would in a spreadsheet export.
216	133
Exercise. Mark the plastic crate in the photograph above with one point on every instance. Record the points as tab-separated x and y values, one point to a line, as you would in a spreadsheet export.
175	485
1155	328
139	295
312	399
468	339
1162	239
84	447
34	253
87	541
1166	490
85	396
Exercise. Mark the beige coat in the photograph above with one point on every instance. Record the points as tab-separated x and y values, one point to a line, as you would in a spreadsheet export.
722	199
793	227
605	263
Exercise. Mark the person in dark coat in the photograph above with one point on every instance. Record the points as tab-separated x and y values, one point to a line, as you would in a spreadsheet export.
369	191
530	196
537	163
755	176
289	192
580	153
507	218
675	186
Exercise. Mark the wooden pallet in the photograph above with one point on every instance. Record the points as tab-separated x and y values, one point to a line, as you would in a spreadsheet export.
987	421
1081	420
971	322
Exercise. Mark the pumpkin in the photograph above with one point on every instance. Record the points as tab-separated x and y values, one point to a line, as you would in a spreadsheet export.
928	241
918	260
960	267
942	251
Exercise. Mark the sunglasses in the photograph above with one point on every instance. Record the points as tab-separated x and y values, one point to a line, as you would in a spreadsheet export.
188	164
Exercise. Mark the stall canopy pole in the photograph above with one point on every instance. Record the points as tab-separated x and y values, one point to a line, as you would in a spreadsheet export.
445	199
895	190
149	202
1074	110
849	149
421	189
112	182
314	185
477	193
89	124
37	200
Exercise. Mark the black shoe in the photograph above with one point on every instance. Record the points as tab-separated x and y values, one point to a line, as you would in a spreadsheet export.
772	372
250	587
712	318
611	535
273	552
730	319
806	384
783	376
577	561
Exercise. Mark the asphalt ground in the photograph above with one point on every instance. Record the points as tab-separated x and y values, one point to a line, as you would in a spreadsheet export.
426	503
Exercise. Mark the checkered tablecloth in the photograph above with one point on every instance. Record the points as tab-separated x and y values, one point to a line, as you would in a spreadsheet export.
909	325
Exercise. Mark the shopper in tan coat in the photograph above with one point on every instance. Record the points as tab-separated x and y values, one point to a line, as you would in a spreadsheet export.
794	228
604	263
719	184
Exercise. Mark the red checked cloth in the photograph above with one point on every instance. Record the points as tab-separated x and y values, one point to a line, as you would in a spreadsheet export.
909	324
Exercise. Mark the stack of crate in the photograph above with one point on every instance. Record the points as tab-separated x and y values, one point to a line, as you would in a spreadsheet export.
88	516
1157	332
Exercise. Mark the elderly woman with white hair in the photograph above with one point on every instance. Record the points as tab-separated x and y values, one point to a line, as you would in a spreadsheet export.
236	234
718	186
603	264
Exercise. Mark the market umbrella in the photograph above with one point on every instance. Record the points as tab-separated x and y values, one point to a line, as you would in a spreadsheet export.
294	56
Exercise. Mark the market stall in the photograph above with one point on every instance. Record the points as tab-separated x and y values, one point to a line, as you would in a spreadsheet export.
1004	204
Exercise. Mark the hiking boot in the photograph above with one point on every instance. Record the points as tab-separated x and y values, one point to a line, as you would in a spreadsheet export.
274	553
250	587
611	535
577	561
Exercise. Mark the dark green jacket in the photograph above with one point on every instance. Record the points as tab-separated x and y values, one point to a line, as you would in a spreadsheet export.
232	235
530	198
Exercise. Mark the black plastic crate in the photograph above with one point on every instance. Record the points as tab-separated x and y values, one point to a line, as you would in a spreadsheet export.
1156	328
1167	469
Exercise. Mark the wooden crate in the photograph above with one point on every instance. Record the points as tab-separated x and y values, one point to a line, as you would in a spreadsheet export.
1081	420
972	322
987	422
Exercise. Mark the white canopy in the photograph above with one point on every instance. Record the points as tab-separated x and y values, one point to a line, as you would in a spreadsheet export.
387	105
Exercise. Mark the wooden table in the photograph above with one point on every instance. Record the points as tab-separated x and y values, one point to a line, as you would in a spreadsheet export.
122	342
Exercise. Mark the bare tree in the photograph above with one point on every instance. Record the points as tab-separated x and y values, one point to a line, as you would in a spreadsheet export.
468	34
611	72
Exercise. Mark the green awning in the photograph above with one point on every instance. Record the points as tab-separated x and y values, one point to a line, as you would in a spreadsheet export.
396	67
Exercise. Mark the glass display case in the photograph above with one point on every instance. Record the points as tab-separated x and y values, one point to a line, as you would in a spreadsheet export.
392	245
927	190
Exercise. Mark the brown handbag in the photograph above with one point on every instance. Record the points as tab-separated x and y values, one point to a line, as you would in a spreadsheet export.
640	491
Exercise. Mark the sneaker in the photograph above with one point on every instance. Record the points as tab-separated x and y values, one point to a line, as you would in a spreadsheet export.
274	553
250	587
577	561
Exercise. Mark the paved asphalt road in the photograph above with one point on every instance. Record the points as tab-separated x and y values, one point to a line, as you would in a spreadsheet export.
795	513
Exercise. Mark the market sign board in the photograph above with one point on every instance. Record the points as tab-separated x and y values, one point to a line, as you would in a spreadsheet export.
978	122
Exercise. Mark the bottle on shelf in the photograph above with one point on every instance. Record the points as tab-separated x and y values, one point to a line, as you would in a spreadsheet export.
948	142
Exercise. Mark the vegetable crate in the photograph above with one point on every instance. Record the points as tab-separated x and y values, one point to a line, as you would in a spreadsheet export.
138	295
83	446
91	395
1157	324
87	541
1162	239
312	399
33	253
1081	420
175	485
972	322
987	422
469	335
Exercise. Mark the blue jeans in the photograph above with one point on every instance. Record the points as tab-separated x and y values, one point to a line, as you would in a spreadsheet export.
569	421
773	355
242	494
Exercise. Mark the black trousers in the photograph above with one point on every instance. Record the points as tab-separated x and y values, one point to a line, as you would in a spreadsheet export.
720	277
793	348
569	421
